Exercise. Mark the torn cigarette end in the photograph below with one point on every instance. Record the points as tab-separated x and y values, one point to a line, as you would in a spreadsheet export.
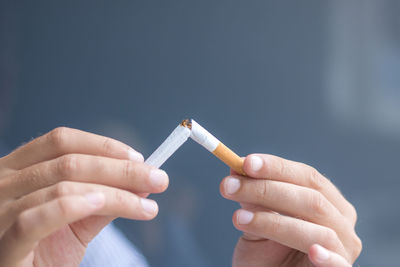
187	123
190	128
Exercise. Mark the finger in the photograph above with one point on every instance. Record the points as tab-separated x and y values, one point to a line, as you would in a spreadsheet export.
119	203
279	169
322	257
88	228
288	231
61	141
285	198
130	175
289	199
35	224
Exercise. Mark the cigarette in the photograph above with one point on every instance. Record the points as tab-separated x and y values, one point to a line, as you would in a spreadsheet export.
175	140
190	128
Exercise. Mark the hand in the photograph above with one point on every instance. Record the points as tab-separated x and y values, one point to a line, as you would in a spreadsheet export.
286	208
59	190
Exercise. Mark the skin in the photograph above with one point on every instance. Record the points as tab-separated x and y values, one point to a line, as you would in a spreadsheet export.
291	215
59	190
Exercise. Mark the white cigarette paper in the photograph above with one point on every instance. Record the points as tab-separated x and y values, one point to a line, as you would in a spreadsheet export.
203	137
177	138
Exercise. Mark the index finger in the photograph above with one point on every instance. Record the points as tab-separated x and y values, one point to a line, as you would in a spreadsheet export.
61	141
275	168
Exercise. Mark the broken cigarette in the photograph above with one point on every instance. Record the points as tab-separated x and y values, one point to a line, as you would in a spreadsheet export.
190	128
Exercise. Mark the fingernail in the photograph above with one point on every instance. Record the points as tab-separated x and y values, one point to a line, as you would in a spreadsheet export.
158	177
322	254
150	206
134	155
95	199
231	185
244	216
256	163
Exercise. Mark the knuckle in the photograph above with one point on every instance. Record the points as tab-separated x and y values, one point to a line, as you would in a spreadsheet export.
57	137
35	176
4	183
357	246
331	238
283	168
317	181
67	166
318	204
63	189
10	208
64	207
119	197
108	145
275	224
331	234
128	169
261	190
353	213
21	225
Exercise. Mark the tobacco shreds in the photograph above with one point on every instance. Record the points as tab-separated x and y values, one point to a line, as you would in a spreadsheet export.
187	123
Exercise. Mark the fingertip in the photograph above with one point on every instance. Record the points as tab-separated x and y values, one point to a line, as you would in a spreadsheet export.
221	186
231	185
234	219
242	218
165	186
253	163
318	254
312	252
150	208
159	180
134	155
224	185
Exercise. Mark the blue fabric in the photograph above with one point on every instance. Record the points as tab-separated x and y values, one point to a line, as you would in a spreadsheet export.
111	248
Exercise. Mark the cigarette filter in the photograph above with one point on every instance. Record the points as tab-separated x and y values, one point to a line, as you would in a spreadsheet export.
190	128
212	144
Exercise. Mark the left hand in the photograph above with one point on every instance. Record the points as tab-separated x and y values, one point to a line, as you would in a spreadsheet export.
58	191
287	208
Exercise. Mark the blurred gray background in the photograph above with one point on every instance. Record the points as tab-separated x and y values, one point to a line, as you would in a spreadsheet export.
312	81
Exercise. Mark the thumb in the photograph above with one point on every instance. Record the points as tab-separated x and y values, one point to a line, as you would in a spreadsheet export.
88	228
321	257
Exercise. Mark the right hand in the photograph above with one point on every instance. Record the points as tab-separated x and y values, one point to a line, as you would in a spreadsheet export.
287	207
59	190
